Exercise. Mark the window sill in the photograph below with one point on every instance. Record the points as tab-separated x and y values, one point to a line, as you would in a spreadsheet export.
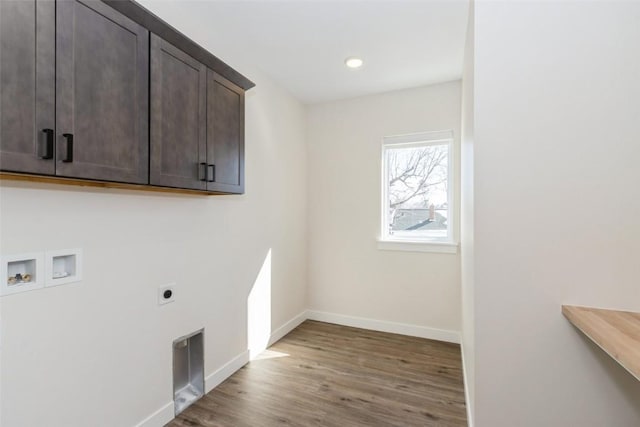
413	246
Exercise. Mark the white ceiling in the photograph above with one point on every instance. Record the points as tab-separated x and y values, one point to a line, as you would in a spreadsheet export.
302	45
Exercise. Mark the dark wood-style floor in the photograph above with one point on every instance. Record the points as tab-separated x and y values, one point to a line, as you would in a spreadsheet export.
328	375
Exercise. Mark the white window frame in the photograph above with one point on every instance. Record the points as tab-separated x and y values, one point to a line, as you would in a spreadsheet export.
419	244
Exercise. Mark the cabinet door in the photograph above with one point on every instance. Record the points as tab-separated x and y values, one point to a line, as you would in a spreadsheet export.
178	117
27	83
225	135
102	93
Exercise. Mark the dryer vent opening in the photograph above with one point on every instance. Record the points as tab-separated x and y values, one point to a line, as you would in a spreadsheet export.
188	370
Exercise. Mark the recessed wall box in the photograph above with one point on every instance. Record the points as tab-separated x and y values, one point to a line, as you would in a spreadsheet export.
188	370
21	273
63	266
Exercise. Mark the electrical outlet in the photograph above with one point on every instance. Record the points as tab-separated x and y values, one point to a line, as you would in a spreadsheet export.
166	294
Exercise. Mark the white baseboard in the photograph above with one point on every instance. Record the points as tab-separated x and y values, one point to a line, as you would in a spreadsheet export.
384	326
287	327
159	418
466	388
215	379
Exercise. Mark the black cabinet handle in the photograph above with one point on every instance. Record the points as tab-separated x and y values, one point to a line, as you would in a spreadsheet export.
204	172
48	145
69	138
213	173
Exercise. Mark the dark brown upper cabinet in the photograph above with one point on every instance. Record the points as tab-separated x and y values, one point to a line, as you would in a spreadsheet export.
197	124
27	86
74	91
100	92
178	118
225	135
102	72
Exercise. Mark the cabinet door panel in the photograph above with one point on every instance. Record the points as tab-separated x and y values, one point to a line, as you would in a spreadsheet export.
178	117
102	93
225	134
27	85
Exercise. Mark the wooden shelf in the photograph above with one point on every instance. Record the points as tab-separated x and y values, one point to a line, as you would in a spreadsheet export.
616	332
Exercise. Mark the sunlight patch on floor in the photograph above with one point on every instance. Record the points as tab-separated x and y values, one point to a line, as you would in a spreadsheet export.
270	354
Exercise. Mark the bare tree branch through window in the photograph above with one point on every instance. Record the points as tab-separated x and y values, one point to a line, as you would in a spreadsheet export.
417	187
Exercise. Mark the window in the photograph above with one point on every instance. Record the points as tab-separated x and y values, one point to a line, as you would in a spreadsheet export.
417	188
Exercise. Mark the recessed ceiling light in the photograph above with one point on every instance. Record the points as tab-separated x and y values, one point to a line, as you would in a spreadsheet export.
353	62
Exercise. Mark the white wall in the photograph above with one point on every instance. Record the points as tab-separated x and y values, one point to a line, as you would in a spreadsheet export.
557	203
348	275
98	353
467	258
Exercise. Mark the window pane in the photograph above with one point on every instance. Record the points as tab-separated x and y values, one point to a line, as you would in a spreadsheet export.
417	191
